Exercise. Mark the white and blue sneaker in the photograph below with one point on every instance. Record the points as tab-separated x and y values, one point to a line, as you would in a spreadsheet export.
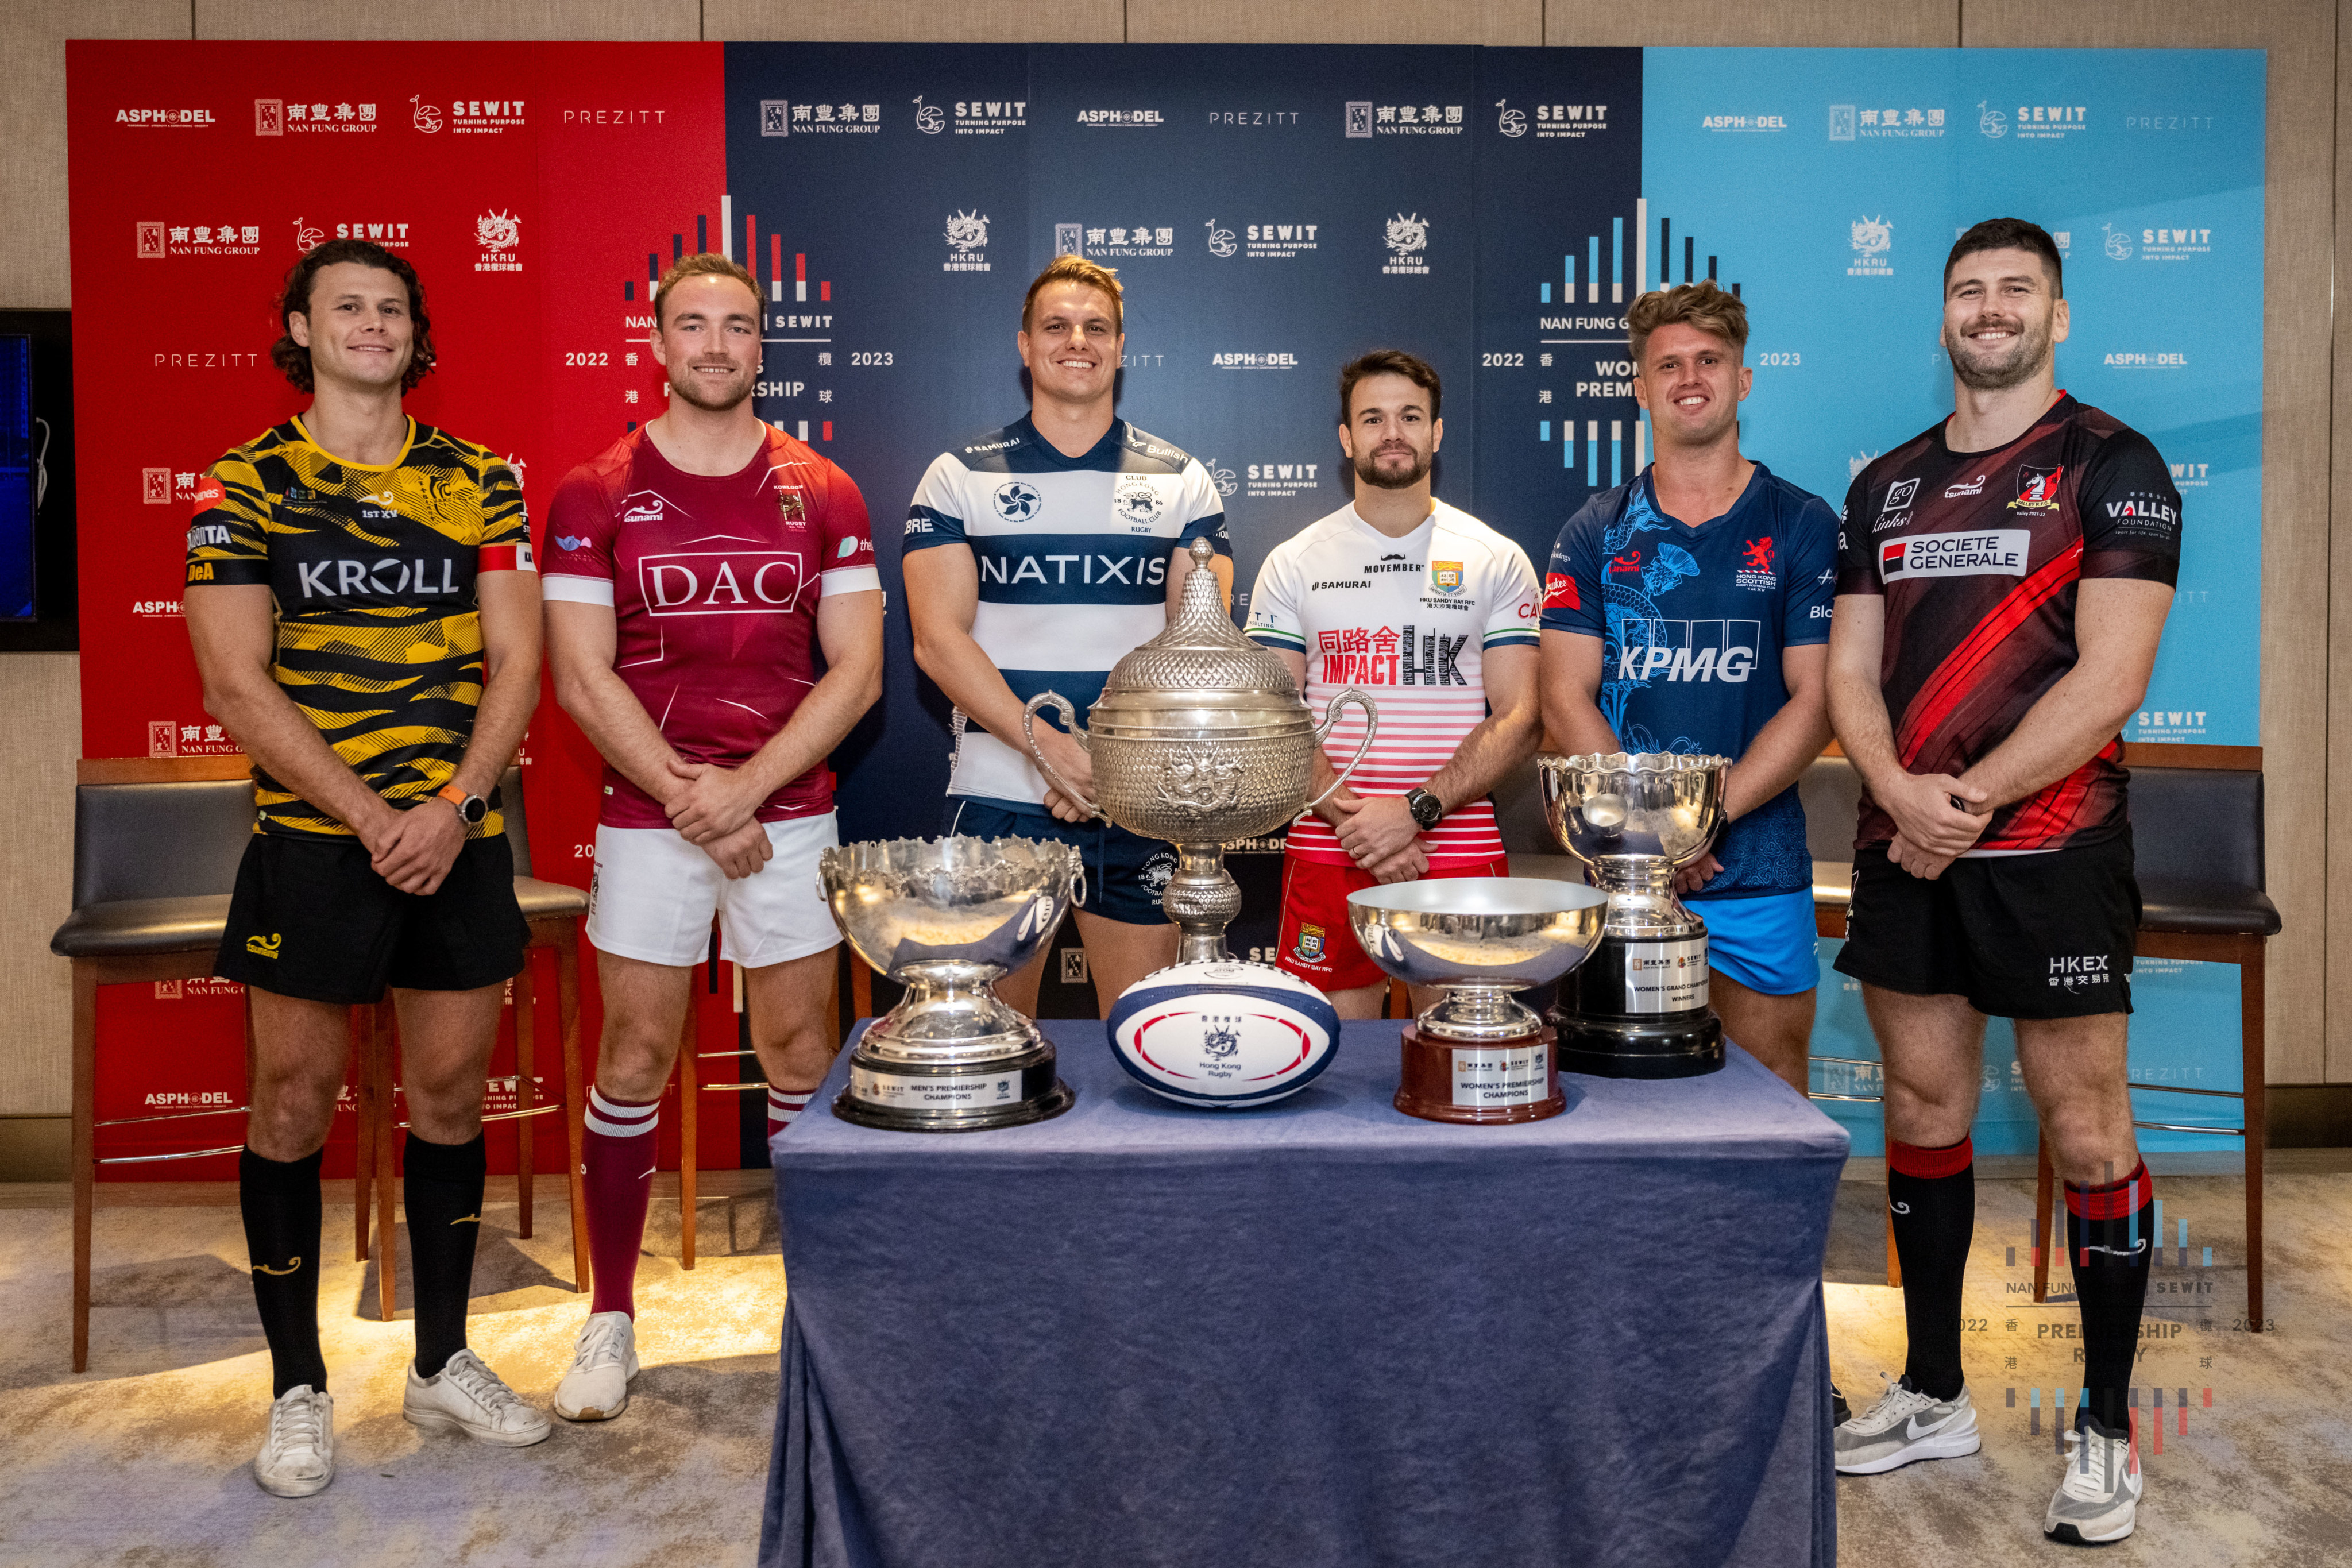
2098	1499
1907	1424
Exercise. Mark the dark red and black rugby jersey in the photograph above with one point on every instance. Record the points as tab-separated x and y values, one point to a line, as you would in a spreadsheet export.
1977	555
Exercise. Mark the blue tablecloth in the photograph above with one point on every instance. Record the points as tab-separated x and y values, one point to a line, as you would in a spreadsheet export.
1319	1333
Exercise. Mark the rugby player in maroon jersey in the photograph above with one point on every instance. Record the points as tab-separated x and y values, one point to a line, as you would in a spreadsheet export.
2003	580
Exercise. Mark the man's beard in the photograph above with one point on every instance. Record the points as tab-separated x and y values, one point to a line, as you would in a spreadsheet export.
692	392
1367	471
2027	354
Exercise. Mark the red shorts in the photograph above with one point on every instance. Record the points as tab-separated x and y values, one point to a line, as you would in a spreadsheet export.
1316	944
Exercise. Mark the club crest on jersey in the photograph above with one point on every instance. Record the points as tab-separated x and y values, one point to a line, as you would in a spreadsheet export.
1755	570
1017	501
1137	502
792	506
1446	577
1309	945
2037	488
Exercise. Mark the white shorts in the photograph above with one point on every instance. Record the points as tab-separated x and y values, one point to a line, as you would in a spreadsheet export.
653	894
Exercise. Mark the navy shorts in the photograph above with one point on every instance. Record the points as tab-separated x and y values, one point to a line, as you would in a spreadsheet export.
1124	874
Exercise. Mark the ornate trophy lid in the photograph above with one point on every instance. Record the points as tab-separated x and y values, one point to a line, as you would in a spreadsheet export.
1200	651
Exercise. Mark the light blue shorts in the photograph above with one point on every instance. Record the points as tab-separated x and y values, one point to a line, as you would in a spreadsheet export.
1765	944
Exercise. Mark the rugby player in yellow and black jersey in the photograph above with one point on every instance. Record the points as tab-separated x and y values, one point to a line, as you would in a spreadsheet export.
366	614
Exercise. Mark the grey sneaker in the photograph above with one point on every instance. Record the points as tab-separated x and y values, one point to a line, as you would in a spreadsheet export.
298	1455
1904	1425
467	1397
2098	1499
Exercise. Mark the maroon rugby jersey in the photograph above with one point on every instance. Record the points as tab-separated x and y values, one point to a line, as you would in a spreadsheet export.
1977	556
714	581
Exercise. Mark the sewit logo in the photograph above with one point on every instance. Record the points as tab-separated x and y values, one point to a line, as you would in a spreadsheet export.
1224	478
929	118
425	117
2118	243
307	239
1990	121
1511	122
1408	242
1220	240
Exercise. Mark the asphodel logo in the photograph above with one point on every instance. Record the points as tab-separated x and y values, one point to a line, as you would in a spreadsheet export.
263	946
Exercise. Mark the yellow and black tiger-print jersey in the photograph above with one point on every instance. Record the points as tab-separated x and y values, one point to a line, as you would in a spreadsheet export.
379	630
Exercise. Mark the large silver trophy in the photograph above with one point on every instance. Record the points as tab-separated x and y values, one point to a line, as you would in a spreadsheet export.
1639	1009
1480	1055
1199	737
945	918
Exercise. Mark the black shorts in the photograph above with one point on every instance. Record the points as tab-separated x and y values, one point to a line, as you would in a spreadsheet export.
2021	936
310	918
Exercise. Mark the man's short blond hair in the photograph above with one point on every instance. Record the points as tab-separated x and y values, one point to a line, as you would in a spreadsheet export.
1701	304
704	264
1077	269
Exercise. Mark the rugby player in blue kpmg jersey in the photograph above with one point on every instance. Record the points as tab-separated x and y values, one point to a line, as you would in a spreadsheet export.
1036	557
1689	611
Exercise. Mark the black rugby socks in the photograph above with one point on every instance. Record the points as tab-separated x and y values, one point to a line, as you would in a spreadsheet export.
1931	1194
2111	1241
279	1200
444	1203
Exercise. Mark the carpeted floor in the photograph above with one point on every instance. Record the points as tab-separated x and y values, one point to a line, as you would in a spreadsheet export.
143	1459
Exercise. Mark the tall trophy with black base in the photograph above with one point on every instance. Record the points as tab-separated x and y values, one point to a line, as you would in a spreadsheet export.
1638	1007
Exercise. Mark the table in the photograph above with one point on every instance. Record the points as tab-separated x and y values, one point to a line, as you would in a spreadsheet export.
1318	1334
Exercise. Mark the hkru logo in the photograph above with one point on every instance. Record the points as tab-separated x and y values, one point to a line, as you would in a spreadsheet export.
1408	241
967	237
498	234
1872	237
720	582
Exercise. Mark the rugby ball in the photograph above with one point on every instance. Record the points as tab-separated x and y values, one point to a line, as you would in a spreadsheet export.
1222	1035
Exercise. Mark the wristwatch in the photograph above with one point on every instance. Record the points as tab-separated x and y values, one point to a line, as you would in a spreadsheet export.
1426	808
471	808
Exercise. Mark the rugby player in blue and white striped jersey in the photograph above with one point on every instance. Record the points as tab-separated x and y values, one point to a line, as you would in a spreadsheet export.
1036	557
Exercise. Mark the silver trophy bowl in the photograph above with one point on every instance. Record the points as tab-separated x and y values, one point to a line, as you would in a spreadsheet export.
945	918
1480	938
1199	737
1635	819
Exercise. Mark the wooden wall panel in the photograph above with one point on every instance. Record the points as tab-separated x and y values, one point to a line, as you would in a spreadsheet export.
629	19
1788	24
918	21
1335	21
2307	1039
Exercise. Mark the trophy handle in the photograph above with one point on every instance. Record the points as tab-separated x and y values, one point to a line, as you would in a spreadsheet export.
1059	704
1331	717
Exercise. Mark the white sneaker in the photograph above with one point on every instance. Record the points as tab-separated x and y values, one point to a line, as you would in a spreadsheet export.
2098	1500
602	1361
1904	1425
467	1397
298	1457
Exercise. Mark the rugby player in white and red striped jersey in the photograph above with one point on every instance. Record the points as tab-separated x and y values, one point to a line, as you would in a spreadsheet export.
1435	615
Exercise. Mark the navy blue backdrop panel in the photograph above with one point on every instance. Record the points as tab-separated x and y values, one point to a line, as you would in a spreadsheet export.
1272	212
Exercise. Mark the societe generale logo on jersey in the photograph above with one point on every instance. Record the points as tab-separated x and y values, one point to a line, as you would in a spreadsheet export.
1987	552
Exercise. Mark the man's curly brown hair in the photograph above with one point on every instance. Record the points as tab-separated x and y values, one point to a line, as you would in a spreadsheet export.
294	360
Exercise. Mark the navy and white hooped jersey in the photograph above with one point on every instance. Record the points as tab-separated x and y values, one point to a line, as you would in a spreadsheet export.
1073	555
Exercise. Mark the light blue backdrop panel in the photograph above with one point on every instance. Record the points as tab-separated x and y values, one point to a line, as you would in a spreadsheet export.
2184	1032
1830	184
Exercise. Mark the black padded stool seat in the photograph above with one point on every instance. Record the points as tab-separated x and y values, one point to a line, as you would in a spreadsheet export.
123	928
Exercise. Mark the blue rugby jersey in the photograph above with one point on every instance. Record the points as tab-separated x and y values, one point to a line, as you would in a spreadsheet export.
1693	622
1073	555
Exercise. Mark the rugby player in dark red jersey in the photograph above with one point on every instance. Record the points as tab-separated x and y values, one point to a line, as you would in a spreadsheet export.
696	569
2003	579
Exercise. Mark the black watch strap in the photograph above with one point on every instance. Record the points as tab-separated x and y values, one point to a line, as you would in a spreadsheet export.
1426	808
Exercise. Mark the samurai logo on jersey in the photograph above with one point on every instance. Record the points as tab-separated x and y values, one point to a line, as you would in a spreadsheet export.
1990	553
720	582
1689	651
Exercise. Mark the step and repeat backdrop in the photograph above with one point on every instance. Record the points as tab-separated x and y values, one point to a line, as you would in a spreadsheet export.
1273	211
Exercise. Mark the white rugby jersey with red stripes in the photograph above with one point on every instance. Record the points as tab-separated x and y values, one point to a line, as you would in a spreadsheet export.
1409	620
